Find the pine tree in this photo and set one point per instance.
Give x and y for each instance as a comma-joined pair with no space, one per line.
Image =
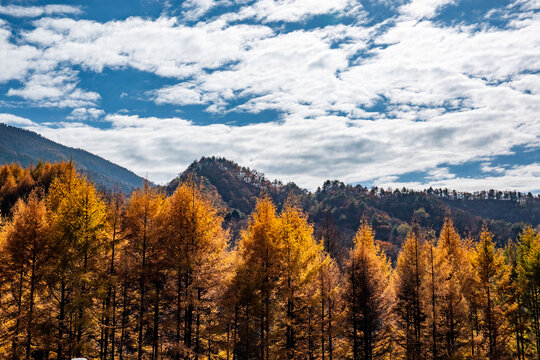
331,300
255,283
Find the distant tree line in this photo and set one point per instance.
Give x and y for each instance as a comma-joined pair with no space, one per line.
84,274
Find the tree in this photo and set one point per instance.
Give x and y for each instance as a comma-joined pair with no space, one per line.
24,253
368,297
300,267
451,279
491,274
114,218
255,283
141,231
196,245
409,285
331,305
528,272
77,227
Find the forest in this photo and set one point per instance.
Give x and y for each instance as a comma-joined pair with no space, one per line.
158,275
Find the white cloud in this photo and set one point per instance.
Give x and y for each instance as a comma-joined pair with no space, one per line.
14,120
487,167
55,89
294,10
36,11
423,9
85,114
295,149
452,94
15,60
194,9
160,46
523,178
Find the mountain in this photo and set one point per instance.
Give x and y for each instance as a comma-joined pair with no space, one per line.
336,208
27,147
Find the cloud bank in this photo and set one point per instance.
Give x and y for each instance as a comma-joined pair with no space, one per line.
354,98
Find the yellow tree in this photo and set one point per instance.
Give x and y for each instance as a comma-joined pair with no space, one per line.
78,216
196,245
529,283
300,266
255,282
368,297
115,210
24,255
141,230
451,280
409,285
330,289
491,275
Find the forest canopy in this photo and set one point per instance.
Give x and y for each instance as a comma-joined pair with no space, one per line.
156,276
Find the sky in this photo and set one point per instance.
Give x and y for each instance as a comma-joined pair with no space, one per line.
392,93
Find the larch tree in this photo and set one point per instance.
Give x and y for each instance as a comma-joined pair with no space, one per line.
78,215
451,279
529,283
491,274
24,254
331,305
141,230
299,269
368,297
409,284
109,318
255,283
196,245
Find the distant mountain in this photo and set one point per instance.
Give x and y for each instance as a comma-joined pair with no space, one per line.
27,147
337,208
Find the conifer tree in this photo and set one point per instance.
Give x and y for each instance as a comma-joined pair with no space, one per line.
409,285
529,284
141,231
196,246
24,254
330,292
451,277
368,297
300,266
77,227
255,283
491,274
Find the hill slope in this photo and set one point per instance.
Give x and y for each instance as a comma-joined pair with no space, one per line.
337,208
26,147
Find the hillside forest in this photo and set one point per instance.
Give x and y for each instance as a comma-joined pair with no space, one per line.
158,274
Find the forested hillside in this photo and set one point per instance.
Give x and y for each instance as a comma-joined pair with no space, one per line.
337,208
157,276
26,148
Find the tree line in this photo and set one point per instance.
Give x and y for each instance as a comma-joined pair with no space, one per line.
84,274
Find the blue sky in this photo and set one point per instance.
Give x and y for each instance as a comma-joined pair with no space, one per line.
418,93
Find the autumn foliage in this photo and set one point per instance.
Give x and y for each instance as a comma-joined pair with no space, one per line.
150,276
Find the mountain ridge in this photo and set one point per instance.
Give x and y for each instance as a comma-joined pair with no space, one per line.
341,206
27,147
